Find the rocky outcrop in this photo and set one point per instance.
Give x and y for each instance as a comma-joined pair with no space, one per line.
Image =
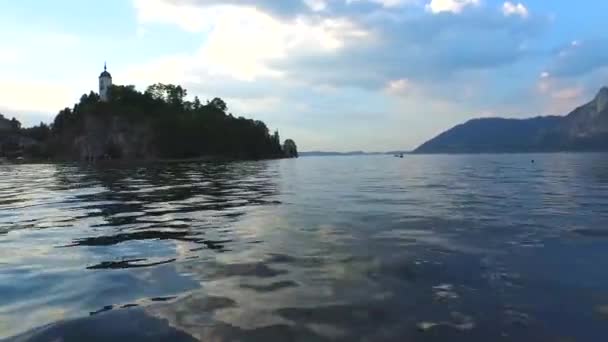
588,120
111,137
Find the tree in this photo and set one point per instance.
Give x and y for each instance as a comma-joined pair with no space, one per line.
15,124
40,133
276,138
197,103
176,94
219,104
168,93
62,120
290,149
157,91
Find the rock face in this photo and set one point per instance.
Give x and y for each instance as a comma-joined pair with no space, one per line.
111,138
601,100
584,129
588,120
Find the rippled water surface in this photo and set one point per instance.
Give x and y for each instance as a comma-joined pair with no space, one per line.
425,248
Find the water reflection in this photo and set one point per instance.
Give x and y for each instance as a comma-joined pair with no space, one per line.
428,248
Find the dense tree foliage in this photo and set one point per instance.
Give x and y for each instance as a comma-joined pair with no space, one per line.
290,149
179,128
16,141
40,133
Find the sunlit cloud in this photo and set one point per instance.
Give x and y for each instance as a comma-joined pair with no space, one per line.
241,41
453,6
49,97
510,9
398,87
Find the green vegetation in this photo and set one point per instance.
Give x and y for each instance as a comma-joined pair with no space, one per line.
158,123
17,142
290,149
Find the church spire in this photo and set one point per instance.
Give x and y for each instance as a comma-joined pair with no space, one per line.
105,83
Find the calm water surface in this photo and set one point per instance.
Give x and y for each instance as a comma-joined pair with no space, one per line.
425,248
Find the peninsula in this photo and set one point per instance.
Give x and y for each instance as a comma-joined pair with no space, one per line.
121,123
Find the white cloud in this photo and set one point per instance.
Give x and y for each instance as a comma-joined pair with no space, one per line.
168,69
399,87
27,44
38,96
390,3
188,17
454,6
316,5
241,41
253,105
387,3
509,9
248,52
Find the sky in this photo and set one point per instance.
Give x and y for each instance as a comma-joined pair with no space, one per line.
338,75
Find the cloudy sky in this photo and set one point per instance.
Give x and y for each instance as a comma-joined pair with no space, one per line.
331,74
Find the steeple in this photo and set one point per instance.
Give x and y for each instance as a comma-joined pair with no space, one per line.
105,83
105,72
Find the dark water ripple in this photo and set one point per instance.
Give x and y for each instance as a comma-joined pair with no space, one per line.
425,248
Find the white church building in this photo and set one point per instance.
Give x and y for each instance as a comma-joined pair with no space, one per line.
105,83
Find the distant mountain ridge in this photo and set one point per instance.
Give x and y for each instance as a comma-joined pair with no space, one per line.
584,129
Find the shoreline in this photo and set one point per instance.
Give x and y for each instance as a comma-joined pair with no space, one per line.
135,161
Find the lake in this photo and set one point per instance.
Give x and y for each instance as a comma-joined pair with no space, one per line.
424,248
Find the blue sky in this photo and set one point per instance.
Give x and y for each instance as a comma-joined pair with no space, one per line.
331,74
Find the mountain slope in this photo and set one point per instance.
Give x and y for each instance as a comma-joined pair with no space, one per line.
584,129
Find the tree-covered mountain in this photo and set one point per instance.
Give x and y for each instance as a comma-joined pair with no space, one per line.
158,123
584,129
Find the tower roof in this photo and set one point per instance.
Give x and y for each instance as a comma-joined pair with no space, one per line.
105,72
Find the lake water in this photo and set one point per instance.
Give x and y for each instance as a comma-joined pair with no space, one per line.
424,248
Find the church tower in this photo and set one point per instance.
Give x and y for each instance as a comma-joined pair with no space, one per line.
105,83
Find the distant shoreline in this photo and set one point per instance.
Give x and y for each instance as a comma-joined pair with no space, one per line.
390,154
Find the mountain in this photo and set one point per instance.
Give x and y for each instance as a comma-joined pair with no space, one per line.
584,129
